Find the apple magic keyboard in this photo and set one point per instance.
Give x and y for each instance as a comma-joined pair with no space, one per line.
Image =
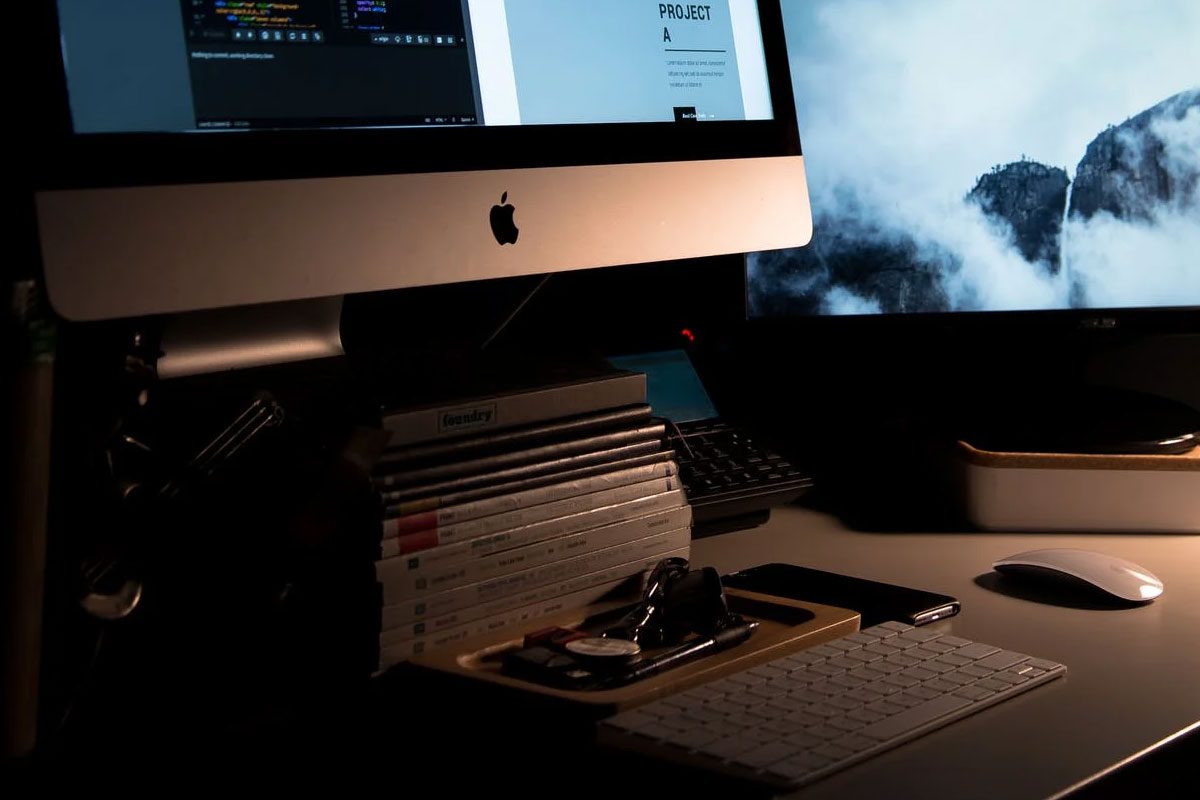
795,720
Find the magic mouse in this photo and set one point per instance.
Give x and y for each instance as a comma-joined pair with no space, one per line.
1115,576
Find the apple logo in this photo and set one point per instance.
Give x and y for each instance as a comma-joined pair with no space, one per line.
503,227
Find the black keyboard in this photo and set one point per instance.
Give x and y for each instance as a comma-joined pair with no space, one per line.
731,481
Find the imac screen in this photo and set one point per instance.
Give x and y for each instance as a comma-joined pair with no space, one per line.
992,155
221,65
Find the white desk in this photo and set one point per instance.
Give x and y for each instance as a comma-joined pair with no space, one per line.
1133,675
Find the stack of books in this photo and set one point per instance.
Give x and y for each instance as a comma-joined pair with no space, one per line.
507,508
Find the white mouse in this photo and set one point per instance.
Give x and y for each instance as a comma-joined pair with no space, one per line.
1116,576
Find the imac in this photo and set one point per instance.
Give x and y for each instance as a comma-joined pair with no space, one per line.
219,153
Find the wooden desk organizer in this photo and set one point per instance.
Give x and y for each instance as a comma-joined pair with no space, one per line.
781,631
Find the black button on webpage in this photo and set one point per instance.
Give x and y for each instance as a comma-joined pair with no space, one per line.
685,114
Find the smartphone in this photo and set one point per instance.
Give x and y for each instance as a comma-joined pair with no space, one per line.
875,602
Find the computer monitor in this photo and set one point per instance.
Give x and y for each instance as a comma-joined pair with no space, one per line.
1006,198
215,153
994,156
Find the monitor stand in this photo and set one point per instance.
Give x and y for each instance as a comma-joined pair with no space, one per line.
1085,419
220,340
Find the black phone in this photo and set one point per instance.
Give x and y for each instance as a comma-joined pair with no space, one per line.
876,602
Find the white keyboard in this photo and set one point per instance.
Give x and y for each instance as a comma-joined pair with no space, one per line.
799,718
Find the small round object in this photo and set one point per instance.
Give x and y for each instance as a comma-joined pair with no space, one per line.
598,648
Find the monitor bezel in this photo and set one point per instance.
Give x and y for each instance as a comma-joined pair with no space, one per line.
147,159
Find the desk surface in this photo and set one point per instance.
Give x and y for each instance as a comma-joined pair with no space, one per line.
1133,676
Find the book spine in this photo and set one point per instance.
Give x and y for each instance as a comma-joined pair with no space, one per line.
555,570
516,518
400,579
412,502
398,476
627,513
450,515
512,410
552,430
626,586
456,603
404,578
515,620
397,487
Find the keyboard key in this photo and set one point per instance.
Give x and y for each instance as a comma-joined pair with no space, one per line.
846,724
825,733
800,765
825,651
695,738
862,637
804,719
918,673
854,743
882,649
703,716
842,702
865,694
655,731
953,659
845,644
923,653
632,720
922,693
803,740
826,711
975,650
806,696
898,627
848,681
901,660
767,671
827,668
748,679
954,641
833,751
914,717
865,716
901,680
885,708
783,727
1010,678
844,663
939,685
959,677
976,670
920,635
938,646
724,707
791,769
787,704
766,712
1041,663
767,692
992,684
864,656
1002,660
973,693
729,747
936,666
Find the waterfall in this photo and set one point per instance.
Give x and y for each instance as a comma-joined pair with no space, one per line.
1062,238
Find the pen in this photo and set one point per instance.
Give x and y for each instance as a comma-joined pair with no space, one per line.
728,637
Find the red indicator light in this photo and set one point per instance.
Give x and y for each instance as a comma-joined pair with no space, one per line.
687,334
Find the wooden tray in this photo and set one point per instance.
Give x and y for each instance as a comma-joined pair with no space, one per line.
785,626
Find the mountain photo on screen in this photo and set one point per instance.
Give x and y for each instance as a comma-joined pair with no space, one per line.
992,155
